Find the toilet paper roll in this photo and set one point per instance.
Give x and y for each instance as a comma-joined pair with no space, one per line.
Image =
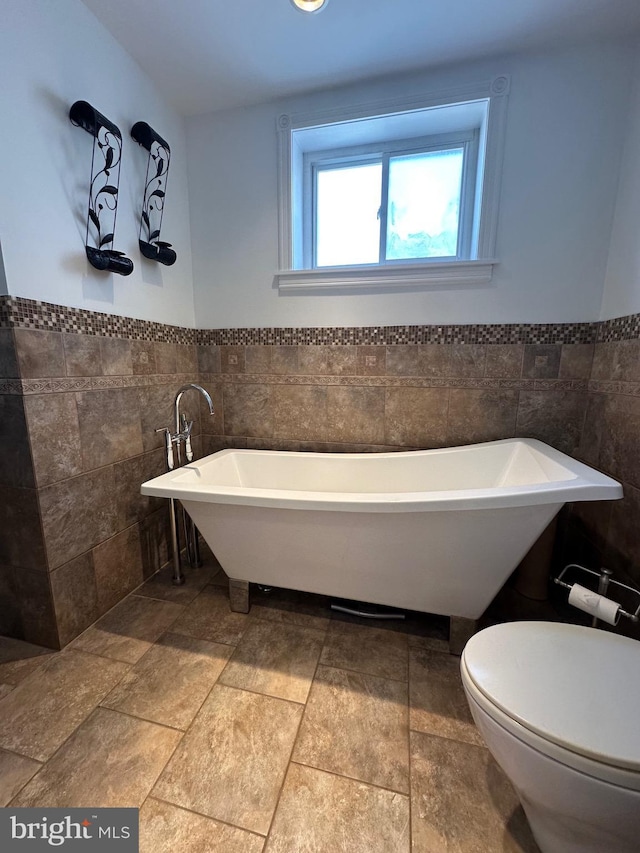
597,605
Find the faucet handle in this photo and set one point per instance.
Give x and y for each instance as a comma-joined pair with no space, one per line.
168,446
188,450
187,426
186,435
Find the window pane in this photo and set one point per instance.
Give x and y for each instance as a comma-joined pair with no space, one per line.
347,224
424,204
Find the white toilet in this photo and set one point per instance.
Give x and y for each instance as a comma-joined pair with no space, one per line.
559,708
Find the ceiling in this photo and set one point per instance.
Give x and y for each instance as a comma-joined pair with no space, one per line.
208,55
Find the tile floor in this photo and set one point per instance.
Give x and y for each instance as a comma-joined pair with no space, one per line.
288,730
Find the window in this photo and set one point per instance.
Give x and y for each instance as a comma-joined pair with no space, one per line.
390,194
396,202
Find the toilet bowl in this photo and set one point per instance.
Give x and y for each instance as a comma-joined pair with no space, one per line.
559,708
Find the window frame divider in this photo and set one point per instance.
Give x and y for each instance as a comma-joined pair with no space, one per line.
384,209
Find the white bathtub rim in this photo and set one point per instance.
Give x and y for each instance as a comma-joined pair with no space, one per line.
384,502
585,484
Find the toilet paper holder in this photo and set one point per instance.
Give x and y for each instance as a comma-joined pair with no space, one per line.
604,582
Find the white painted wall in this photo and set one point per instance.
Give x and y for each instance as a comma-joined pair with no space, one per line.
622,284
564,141
52,53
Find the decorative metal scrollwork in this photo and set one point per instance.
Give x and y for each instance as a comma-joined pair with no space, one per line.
103,189
155,187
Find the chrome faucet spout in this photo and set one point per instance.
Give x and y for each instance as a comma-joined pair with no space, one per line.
191,386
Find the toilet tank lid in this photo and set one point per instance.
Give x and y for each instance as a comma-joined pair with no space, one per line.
575,686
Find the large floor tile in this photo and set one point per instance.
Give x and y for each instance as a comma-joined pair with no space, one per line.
127,632
169,684
370,650
429,644
167,829
232,761
357,725
461,801
322,813
275,659
44,709
438,703
15,772
111,760
161,584
18,659
209,617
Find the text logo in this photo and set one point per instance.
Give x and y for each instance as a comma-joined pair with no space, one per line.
72,830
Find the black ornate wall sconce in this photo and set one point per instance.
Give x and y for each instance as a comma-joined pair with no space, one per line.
155,187
103,190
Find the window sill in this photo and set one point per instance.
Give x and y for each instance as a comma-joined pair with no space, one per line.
430,274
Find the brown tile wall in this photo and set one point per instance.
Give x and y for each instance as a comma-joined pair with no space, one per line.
372,397
83,439
79,406
608,534
26,604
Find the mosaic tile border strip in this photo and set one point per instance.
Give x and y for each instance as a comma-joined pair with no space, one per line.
517,333
102,383
17,312
619,329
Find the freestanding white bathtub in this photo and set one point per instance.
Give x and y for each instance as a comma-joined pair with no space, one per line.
433,530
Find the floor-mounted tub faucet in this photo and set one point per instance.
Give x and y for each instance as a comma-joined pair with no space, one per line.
182,435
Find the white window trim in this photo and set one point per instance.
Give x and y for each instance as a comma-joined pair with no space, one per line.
428,273
372,276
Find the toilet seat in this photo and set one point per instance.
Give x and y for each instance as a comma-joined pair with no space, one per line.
568,691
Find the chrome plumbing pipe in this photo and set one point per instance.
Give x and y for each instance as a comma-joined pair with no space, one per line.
178,574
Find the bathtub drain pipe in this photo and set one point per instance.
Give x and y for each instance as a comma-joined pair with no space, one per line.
366,614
